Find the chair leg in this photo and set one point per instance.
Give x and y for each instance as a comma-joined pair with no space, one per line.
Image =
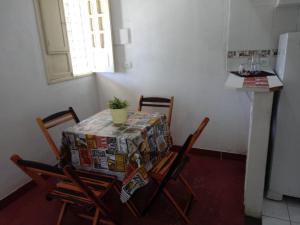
177,207
187,186
134,210
99,220
96,216
130,205
102,221
62,213
191,192
152,199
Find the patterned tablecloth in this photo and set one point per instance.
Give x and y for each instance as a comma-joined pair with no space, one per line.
127,151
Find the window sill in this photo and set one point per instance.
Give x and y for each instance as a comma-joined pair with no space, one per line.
50,82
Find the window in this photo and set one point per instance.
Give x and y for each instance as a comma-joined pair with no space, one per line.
76,37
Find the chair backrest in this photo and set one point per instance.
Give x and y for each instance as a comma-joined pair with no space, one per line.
158,102
197,133
55,120
37,171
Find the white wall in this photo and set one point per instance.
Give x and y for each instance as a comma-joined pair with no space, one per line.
257,24
24,93
179,48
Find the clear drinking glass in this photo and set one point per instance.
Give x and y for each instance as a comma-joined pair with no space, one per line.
242,68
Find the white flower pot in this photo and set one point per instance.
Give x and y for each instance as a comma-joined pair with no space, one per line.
119,116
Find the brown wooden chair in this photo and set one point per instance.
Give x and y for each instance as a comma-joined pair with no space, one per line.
157,102
169,168
55,120
72,188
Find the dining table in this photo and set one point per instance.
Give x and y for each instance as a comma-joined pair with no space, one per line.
127,151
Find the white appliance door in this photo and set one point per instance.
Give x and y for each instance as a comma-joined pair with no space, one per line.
285,167
287,3
281,57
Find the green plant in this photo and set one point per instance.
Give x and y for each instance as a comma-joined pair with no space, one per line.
116,103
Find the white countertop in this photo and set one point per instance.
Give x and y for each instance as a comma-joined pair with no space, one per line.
236,82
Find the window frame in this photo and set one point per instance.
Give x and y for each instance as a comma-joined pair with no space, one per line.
51,78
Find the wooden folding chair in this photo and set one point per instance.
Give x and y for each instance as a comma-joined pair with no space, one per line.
73,188
169,168
157,102
55,120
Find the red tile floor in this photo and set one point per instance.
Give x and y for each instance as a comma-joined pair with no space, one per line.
218,183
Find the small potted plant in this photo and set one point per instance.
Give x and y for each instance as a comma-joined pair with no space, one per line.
118,110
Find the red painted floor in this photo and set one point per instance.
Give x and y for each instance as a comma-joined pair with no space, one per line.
219,186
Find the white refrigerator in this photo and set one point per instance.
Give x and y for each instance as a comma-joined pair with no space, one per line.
284,167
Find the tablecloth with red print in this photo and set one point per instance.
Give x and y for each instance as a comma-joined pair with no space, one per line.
128,151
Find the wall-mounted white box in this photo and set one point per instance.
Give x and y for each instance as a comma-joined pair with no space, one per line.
122,36
281,3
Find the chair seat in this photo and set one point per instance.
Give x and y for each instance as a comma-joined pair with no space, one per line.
67,191
98,178
161,168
